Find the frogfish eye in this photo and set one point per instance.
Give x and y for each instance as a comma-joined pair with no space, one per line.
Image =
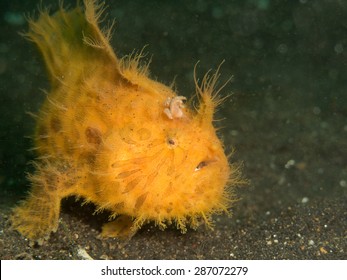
201,165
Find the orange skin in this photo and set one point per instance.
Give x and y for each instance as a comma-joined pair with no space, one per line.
110,134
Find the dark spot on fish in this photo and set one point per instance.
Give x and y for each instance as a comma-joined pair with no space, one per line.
125,174
56,124
132,184
171,141
140,200
93,136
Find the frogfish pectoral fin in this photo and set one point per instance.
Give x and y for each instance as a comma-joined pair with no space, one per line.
122,228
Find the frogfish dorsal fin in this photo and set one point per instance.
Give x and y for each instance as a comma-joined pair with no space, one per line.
73,44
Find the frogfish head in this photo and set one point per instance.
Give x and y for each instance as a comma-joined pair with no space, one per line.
200,172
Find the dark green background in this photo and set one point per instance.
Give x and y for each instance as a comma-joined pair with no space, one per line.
288,61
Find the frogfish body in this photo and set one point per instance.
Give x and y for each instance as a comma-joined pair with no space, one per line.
113,136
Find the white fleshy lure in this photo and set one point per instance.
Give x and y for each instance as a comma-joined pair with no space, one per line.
174,107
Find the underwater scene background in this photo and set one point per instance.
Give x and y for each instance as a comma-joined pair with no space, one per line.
286,118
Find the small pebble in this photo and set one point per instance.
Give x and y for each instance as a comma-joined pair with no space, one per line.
82,253
289,163
323,251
